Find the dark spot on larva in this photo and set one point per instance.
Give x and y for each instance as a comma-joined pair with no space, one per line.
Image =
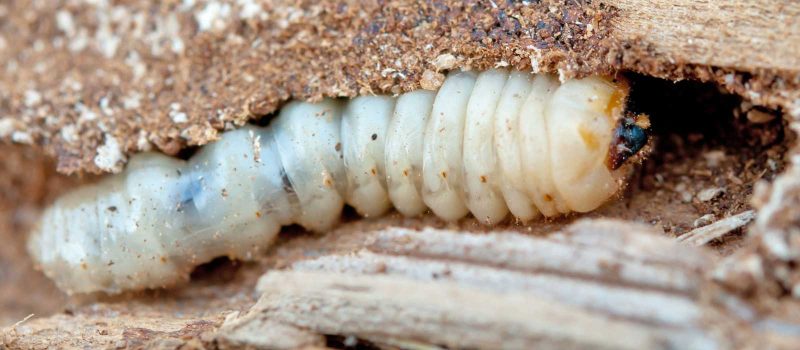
444,174
110,263
258,214
163,259
192,189
84,266
548,197
483,178
112,208
224,192
373,171
374,137
338,147
287,185
405,172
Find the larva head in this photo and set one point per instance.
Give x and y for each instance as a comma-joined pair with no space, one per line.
590,140
629,138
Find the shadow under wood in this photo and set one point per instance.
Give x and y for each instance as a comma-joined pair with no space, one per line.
709,149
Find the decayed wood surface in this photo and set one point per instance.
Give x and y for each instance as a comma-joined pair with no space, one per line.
599,284
94,82
747,46
743,34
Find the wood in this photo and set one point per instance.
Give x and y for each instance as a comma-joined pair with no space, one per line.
595,289
739,34
137,74
378,307
703,235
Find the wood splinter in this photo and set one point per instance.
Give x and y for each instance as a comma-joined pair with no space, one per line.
598,284
702,235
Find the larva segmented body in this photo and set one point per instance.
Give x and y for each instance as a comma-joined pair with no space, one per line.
491,144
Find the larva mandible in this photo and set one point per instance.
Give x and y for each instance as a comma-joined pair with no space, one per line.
493,143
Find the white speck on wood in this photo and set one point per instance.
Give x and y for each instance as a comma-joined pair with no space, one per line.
65,23
32,98
176,115
109,156
212,16
444,62
70,133
704,220
6,127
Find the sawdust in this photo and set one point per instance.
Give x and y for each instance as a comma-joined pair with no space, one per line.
94,82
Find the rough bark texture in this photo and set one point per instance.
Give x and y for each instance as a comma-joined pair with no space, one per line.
93,82
599,284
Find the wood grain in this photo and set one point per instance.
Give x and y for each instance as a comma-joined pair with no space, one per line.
739,34
590,286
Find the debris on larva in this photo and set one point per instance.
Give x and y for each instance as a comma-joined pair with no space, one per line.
489,143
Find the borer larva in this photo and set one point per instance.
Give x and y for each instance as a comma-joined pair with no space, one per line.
494,144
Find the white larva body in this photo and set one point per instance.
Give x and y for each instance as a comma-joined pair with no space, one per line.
404,162
442,148
492,143
481,175
507,145
364,126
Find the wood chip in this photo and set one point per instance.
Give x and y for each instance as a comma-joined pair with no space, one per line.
759,117
375,307
709,194
598,284
703,235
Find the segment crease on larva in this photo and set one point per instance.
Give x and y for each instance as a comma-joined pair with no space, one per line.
496,144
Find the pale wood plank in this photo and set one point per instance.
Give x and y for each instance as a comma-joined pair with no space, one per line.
740,34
